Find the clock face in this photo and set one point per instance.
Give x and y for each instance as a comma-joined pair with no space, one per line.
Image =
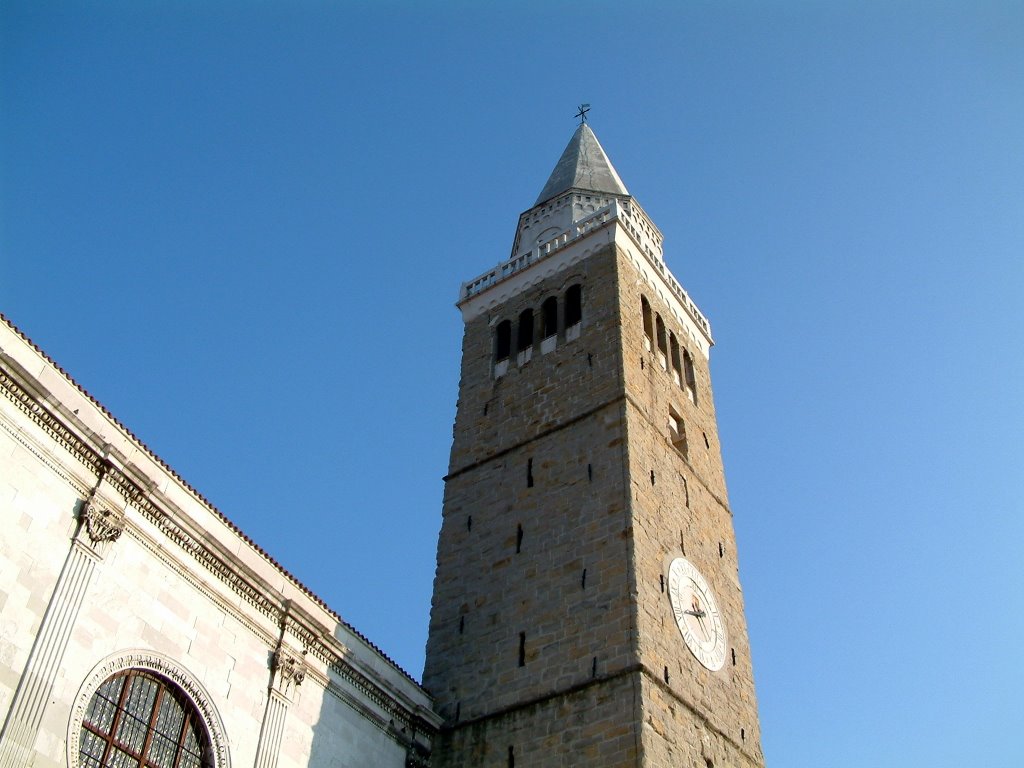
696,614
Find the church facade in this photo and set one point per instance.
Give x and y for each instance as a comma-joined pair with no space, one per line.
586,607
141,628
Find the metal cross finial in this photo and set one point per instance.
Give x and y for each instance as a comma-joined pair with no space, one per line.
582,114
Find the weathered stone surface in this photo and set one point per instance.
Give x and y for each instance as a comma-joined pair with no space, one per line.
565,465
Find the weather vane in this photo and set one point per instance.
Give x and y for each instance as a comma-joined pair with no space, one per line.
582,114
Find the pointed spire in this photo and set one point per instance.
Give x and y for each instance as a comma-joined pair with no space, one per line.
583,165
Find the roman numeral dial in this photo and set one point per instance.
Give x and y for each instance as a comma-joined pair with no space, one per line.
696,613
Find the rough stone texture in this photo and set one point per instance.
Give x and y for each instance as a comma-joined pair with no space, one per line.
594,421
571,519
684,512
592,725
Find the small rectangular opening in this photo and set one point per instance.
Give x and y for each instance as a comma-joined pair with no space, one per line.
677,431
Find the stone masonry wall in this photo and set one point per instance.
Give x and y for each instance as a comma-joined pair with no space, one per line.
564,591
574,626
613,493
592,726
579,375
680,508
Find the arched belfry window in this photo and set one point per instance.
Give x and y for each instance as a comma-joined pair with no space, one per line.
689,376
645,308
673,346
139,718
549,317
659,325
503,341
573,306
524,337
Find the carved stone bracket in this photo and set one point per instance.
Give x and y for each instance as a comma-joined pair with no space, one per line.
289,671
417,756
100,523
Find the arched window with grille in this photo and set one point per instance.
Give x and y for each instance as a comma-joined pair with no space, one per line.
140,718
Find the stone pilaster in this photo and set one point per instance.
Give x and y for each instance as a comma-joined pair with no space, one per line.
98,527
287,671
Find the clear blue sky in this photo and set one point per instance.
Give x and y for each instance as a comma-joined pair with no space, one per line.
242,227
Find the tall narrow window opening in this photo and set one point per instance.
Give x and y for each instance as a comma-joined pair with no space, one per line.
689,377
573,307
677,373
659,325
549,317
502,347
524,337
645,309
548,325
522,649
503,340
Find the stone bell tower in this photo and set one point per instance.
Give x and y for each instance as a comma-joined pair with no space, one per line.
587,608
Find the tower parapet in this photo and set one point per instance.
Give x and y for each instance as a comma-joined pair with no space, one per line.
551,232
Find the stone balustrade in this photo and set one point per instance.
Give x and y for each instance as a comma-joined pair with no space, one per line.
633,221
